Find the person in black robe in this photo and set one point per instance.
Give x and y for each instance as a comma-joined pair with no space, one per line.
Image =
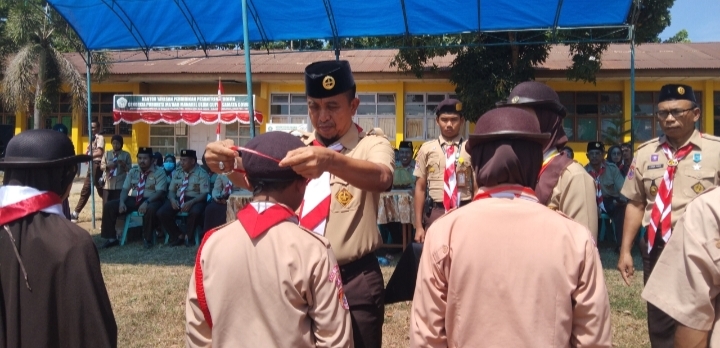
52,292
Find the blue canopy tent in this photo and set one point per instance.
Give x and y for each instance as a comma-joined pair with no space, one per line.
147,24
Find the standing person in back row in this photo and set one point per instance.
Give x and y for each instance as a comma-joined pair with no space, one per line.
666,174
115,164
563,184
442,166
95,149
350,167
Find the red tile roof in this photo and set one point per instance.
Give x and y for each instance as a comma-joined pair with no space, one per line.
682,56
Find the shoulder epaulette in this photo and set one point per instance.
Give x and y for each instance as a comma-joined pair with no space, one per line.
319,238
651,141
710,137
376,131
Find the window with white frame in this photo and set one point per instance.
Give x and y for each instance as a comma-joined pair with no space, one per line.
240,133
420,115
289,108
168,138
377,110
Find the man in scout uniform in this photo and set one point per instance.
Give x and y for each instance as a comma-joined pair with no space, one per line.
350,167
115,164
262,280
96,149
187,193
147,183
442,166
666,173
403,175
506,271
684,283
52,292
608,183
563,184
216,210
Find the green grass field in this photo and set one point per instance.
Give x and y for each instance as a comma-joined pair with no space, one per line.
147,290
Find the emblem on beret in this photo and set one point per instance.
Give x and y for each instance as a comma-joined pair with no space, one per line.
697,188
344,197
328,82
597,145
183,153
681,90
458,107
515,100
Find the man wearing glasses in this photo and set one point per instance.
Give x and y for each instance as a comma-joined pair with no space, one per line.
665,175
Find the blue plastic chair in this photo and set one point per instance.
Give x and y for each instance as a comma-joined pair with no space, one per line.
604,217
182,216
129,224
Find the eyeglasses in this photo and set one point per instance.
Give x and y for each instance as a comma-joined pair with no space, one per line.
675,112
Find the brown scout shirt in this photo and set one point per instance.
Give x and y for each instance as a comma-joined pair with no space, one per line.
274,291
480,286
99,143
352,226
691,177
155,181
116,181
430,164
574,196
611,181
198,183
690,263
219,186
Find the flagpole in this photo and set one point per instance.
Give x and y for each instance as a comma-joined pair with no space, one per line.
217,128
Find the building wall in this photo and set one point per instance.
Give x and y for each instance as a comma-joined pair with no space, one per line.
264,90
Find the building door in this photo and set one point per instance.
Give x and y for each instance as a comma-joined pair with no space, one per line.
200,135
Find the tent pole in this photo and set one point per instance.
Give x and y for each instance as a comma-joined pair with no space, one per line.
248,70
632,87
89,123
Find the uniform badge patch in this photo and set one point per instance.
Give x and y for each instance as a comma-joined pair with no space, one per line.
336,279
653,188
697,188
654,158
344,197
654,166
631,170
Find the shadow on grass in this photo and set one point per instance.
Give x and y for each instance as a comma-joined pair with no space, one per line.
133,253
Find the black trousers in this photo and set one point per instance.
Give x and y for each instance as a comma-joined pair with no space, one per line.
85,191
364,289
111,213
167,216
661,326
215,215
111,195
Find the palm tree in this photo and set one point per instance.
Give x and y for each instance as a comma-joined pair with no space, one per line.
34,76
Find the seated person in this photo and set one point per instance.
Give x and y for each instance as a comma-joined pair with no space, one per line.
148,182
169,165
216,210
187,193
403,176
608,183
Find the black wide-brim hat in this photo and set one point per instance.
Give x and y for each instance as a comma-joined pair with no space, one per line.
533,93
40,148
507,123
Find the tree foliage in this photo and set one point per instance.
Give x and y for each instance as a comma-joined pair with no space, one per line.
37,70
679,37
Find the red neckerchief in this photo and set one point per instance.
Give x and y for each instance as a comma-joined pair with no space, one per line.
506,191
28,206
256,223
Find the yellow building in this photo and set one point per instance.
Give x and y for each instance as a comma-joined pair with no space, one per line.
400,104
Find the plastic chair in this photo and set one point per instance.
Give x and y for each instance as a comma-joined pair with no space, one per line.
182,216
603,218
129,224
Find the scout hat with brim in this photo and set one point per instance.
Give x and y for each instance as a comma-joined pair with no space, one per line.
262,155
507,123
40,148
532,93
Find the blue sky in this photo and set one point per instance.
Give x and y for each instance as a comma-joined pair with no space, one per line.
698,17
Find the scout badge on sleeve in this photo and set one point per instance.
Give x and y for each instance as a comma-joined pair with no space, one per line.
337,280
697,188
